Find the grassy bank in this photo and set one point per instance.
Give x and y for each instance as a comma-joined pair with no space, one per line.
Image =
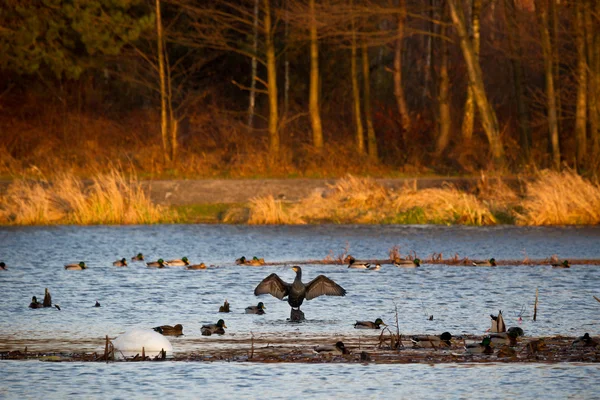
552,198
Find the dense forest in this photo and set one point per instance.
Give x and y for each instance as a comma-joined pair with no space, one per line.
248,88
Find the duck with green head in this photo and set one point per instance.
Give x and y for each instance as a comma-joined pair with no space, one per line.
432,341
218,328
138,257
257,309
509,337
35,303
585,341
160,263
76,267
489,263
337,349
120,263
256,262
180,262
353,264
407,263
241,260
168,330
3,266
369,325
480,348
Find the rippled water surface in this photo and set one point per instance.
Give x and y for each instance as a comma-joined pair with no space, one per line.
460,298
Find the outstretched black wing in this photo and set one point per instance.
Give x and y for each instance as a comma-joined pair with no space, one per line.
274,286
322,285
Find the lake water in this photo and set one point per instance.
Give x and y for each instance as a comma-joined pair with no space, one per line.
460,298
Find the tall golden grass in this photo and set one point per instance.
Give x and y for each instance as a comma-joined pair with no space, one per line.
560,198
268,211
110,199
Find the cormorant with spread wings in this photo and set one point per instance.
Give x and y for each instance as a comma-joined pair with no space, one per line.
297,291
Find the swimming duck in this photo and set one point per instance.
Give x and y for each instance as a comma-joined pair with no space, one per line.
97,304
255,262
139,257
3,266
489,263
480,348
369,325
76,267
241,260
35,303
338,349
160,263
497,323
515,330
168,330
196,266
407,263
375,267
120,263
564,264
509,338
356,265
433,341
182,262
297,291
585,341
257,309
224,307
218,328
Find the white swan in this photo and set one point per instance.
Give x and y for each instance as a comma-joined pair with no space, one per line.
131,342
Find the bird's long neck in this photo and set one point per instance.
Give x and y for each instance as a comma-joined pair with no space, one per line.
298,276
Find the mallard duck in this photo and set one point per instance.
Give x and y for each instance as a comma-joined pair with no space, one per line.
297,291
498,325
241,260
407,263
257,309
97,304
3,266
375,267
76,267
35,303
224,307
338,349
369,325
255,262
196,266
120,263
516,331
139,257
168,330
489,263
509,338
160,263
585,341
218,328
480,348
356,265
182,262
433,341
564,264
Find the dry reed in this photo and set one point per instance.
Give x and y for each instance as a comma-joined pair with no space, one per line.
110,199
560,198
268,211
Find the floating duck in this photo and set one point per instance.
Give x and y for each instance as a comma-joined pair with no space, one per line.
375,267
35,303
97,304
241,260
297,291
585,341
196,266
489,263
120,263
407,263
369,325
160,263
515,330
257,309
139,257
338,349
168,330
3,266
256,262
134,340
564,264
355,265
76,267
508,338
180,262
224,307
480,348
218,328
497,323
427,341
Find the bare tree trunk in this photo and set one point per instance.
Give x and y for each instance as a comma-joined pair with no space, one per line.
360,137
313,101
590,34
541,8
172,122
518,78
164,129
253,67
371,139
469,111
398,89
445,122
286,64
596,77
581,110
487,113
271,83
553,26
429,54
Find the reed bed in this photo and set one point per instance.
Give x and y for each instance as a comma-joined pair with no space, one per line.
560,198
111,198
268,211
